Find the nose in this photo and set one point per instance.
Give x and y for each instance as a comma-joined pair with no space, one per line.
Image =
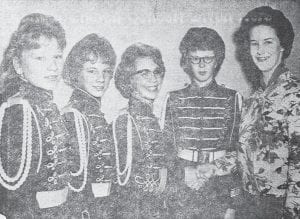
152,77
260,49
201,63
100,77
53,66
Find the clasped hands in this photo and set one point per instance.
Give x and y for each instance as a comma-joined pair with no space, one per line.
196,177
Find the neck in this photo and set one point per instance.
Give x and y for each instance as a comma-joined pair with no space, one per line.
268,74
202,83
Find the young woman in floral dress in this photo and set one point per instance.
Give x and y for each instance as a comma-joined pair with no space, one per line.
269,132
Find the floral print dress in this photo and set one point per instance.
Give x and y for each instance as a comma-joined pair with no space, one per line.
268,153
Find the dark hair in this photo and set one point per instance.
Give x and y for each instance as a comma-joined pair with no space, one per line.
267,16
201,39
26,37
90,48
126,67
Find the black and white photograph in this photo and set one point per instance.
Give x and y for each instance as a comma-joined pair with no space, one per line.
150,109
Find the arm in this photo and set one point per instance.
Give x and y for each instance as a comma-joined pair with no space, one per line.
293,122
227,164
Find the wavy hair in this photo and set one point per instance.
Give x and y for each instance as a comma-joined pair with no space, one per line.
267,16
90,48
126,67
201,39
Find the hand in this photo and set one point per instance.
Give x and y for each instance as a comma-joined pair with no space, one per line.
205,170
191,179
230,214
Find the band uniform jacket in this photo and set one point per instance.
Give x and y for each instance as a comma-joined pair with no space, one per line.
144,195
204,124
48,171
97,197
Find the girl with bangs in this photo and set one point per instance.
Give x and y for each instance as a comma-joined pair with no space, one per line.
33,151
89,69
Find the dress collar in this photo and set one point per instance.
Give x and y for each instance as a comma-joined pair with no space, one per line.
275,76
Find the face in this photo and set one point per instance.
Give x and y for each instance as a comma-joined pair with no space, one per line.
265,48
203,64
148,78
95,77
41,67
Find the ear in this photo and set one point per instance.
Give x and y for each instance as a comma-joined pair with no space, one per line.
17,66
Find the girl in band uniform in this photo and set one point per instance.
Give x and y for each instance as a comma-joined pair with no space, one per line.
33,167
89,69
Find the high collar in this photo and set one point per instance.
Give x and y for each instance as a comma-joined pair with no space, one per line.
140,106
81,95
274,78
35,94
211,86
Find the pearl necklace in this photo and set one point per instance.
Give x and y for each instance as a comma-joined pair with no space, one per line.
128,166
26,156
83,147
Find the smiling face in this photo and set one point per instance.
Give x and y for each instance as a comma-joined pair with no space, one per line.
148,78
95,77
265,48
41,67
203,64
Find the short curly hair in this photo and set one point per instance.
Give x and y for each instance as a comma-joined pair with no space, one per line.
30,29
201,38
126,67
90,48
267,16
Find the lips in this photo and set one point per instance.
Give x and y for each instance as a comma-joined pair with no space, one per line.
262,59
202,72
153,88
99,88
52,77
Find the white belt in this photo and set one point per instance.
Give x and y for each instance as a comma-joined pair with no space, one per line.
48,199
101,189
205,155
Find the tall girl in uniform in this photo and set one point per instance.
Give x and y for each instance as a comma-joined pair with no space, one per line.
89,69
33,167
142,157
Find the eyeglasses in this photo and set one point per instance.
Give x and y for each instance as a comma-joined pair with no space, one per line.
205,59
147,74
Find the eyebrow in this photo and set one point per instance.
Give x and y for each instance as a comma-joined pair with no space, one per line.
144,69
270,38
91,68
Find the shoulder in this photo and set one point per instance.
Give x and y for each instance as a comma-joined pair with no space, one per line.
173,95
120,120
222,89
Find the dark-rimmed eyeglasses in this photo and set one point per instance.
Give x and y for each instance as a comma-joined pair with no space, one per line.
205,59
147,74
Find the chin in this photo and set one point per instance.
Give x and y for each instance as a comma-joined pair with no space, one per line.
97,95
263,67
